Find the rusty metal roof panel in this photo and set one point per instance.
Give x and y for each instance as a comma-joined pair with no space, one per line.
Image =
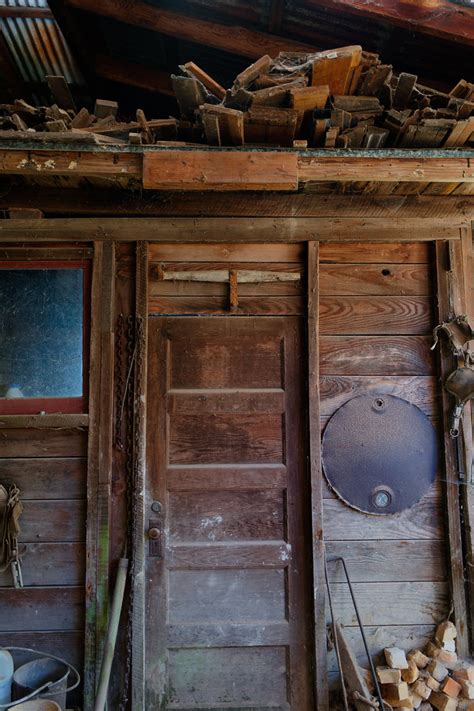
37,44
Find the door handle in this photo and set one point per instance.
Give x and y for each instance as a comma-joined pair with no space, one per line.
155,547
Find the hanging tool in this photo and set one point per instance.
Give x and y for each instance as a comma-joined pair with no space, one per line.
460,383
342,649
11,509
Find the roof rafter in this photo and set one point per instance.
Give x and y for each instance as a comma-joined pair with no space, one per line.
233,39
447,21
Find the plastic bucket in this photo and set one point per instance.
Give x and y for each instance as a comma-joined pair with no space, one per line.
6,676
38,705
35,674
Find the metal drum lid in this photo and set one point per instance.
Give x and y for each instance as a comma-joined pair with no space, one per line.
380,453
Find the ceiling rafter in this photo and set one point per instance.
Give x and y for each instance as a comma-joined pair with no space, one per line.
234,39
448,21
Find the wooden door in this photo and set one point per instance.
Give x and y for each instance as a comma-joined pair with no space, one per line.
229,617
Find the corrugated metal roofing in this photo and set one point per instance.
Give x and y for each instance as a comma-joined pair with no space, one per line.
37,45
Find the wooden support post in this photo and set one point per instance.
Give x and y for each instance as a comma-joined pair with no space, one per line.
460,257
319,593
99,463
139,463
447,304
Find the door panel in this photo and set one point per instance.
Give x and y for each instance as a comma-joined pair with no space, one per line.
229,599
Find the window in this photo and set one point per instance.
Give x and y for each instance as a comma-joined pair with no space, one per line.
43,339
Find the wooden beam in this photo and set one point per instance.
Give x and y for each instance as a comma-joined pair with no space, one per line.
442,170
452,494
230,38
71,162
226,170
216,229
316,477
44,421
133,74
99,469
234,204
26,12
447,21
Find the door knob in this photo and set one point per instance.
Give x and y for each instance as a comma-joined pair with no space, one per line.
154,534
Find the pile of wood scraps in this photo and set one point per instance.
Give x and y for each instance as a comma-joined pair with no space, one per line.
340,98
432,679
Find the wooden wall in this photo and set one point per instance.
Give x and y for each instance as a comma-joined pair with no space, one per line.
49,467
376,311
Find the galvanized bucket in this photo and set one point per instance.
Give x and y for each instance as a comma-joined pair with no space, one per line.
40,676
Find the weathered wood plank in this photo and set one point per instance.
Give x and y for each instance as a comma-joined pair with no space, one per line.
406,637
369,315
42,443
420,390
50,564
388,561
188,289
234,204
422,522
72,163
316,478
381,253
444,170
226,478
415,603
53,521
449,304
188,402
238,229
383,280
38,609
215,556
209,305
44,421
227,253
376,355
225,170
68,644
228,635
56,478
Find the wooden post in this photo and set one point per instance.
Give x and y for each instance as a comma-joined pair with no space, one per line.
99,463
315,466
139,465
448,304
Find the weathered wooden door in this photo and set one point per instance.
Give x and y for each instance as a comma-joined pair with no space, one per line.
229,571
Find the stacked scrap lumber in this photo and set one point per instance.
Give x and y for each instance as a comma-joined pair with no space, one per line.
340,98
430,679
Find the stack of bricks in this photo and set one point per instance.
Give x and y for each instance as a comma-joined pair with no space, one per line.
430,679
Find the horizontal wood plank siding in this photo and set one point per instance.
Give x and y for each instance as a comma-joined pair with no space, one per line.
49,467
376,312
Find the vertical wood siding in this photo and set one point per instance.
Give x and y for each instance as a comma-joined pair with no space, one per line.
376,317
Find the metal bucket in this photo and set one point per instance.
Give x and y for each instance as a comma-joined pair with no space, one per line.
33,675
38,705
40,677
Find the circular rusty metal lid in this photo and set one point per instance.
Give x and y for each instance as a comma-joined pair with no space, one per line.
380,453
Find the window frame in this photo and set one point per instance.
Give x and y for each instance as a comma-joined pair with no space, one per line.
56,405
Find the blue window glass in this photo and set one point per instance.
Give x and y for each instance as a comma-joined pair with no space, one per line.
41,333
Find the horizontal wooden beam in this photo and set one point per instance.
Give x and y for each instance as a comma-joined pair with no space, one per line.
230,38
72,162
226,170
44,421
26,12
444,20
233,204
215,229
438,170
133,74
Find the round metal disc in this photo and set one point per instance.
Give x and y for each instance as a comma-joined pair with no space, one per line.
380,453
